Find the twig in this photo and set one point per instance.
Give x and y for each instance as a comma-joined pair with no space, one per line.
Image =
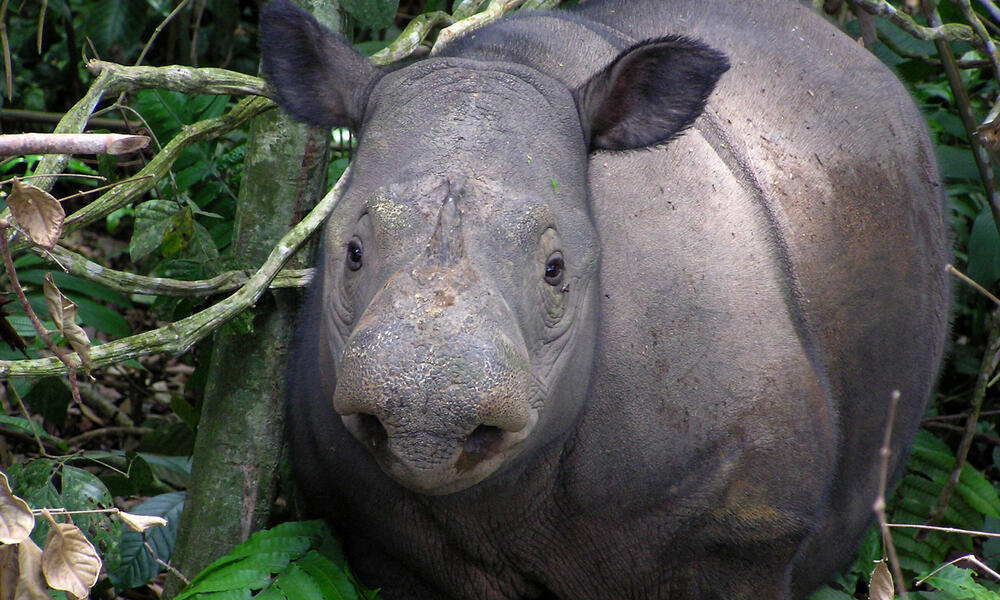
173,571
495,10
105,431
129,283
951,269
14,114
986,437
43,334
991,358
972,559
70,143
964,106
879,506
179,336
27,417
945,529
159,28
950,32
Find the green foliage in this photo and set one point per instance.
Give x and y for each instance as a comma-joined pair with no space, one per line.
299,559
373,14
138,566
46,483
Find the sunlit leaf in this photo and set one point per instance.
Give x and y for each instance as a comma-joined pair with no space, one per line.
140,522
16,520
69,561
37,212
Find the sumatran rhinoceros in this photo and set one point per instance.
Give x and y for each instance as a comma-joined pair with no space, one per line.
614,301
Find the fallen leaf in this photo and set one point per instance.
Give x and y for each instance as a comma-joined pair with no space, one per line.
69,561
37,212
16,520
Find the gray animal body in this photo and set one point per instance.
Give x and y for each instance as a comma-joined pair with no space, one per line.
614,302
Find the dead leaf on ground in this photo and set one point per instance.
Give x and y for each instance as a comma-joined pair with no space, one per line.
16,520
69,561
63,312
38,213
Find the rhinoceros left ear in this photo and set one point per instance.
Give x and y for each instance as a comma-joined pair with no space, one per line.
650,93
317,76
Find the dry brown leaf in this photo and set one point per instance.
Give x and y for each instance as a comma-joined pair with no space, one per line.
16,520
63,312
30,585
880,585
69,561
140,523
8,571
37,212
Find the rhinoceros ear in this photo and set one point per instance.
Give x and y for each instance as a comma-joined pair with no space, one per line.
318,77
650,93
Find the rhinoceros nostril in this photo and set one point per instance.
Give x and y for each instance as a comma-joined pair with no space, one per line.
479,444
373,431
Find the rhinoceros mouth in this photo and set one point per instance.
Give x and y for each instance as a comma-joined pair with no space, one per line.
432,465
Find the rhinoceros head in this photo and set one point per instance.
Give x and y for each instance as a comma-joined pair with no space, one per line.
460,272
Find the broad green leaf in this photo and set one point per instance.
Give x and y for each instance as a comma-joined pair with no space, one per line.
332,581
984,251
374,14
82,490
112,23
29,426
296,583
151,221
137,565
50,398
957,163
959,584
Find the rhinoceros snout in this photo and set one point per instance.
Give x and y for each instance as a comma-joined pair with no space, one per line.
437,417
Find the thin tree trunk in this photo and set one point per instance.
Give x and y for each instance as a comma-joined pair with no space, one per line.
239,442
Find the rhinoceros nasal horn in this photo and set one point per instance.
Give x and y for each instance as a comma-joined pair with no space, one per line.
447,246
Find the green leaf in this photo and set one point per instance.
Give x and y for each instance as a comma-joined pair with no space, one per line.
29,426
151,221
296,583
828,593
50,398
332,581
984,251
178,232
957,163
137,565
112,23
959,584
374,14
82,490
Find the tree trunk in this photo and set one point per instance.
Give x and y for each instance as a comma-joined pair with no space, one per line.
239,442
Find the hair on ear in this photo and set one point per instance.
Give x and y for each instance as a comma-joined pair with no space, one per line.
649,93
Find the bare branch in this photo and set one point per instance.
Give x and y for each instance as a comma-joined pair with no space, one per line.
189,80
179,336
879,507
129,283
70,143
949,32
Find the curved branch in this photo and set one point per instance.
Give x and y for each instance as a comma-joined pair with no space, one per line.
130,283
179,336
189,80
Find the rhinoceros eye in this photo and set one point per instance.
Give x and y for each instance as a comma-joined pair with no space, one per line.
355,252
554,268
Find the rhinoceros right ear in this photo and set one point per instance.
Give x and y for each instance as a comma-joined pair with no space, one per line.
317,76
650,93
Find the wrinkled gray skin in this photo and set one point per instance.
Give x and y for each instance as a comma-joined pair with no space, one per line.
691,407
